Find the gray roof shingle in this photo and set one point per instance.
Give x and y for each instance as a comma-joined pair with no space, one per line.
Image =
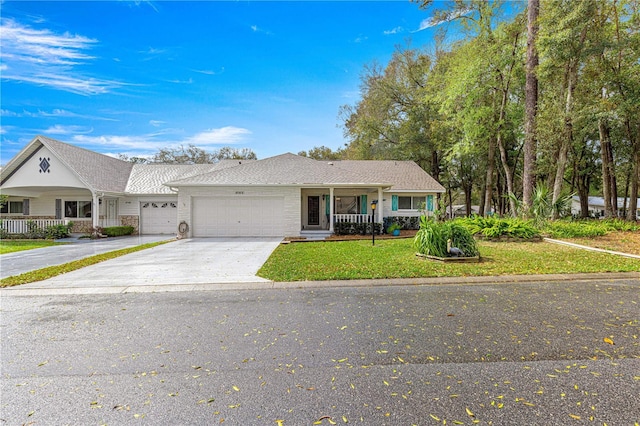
285,169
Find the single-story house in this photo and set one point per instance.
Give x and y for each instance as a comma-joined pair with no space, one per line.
596,206
51,182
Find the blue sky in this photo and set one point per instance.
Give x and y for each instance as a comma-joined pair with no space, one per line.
133,77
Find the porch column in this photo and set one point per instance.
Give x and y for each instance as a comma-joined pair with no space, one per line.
95,210
380,206
331,210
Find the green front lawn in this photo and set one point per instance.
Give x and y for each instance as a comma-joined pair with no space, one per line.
396,259
10,246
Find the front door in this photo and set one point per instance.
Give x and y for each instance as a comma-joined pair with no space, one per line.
111,212
313,210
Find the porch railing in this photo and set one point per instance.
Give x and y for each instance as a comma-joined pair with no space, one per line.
21,226
353,218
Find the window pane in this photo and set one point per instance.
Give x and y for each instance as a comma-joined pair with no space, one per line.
84,208
346,205
15,206
418,203
4,208
404,203
70,209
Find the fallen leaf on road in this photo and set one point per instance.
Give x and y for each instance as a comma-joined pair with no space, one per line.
609,341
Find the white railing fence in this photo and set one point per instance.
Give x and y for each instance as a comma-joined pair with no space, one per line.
353,218
21,226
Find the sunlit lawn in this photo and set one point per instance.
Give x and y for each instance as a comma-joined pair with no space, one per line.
10,246
397,259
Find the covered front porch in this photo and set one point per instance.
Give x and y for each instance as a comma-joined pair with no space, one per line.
29,207
323,208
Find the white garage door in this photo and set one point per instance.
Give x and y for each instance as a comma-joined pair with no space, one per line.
158,218
238,216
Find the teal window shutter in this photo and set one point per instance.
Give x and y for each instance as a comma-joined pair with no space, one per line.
394,203
327,205
429,203
363,204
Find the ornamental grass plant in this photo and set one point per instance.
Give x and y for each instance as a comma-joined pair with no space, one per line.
432,237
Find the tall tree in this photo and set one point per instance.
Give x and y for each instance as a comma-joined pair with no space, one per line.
531,105
564,37
191,154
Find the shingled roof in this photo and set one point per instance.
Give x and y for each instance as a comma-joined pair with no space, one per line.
285,169
405,175
102,173
99,172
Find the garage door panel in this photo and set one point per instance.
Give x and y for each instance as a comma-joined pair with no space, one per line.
158,217
238,216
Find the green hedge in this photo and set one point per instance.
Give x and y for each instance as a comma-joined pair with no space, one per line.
117,231
353,228
587,227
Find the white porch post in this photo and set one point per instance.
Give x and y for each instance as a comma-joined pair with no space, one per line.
95,211
380,206
331,210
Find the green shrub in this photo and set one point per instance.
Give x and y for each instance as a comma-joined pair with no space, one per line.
431,239
494,227
354,228
117,231
587,227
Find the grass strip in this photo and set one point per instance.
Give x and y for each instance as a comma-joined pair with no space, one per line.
396,259
12,246
52,271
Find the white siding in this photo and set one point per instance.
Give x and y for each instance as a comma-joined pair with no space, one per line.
56,175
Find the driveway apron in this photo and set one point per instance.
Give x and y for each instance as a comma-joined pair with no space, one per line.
190,261
29,260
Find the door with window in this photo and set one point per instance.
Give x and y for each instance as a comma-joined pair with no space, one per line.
313,210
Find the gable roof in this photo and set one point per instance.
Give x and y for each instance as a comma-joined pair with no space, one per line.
101,173
285,169
405,175
98,172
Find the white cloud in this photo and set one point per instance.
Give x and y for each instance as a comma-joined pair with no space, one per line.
140,143
150,143
156,123
257,29
360,39
225,135
395,30
59,129
44,58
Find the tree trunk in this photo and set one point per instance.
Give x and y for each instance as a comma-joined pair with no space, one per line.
508,176
488,186
635,173
531,106
605,147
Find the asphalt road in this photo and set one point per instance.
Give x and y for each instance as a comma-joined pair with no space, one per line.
556,353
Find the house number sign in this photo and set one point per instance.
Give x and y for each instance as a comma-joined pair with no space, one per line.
45,165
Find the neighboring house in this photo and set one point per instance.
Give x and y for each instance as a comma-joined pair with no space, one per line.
285,196
596,206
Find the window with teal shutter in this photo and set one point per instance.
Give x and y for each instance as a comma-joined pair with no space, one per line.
394,203
429,203
363,204
327,206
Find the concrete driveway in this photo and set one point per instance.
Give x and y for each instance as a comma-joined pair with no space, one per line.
189,263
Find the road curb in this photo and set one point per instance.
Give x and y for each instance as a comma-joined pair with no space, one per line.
297,285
